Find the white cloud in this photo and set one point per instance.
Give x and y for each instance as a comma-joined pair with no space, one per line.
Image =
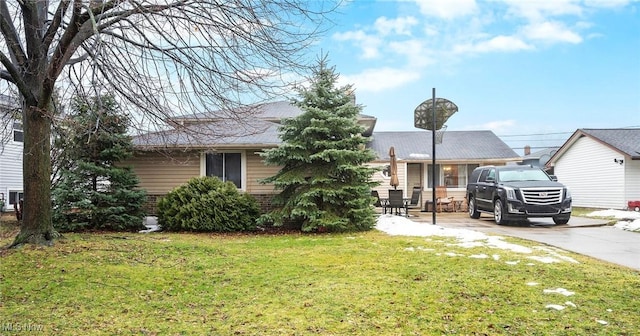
447,9
368,43
497,44
551,32
539,10
497,126
398,26
418,55
607,3
377,80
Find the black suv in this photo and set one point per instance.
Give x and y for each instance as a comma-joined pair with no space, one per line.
517,193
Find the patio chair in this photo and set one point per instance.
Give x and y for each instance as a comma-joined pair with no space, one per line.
414,202
443,202
377,202
396,201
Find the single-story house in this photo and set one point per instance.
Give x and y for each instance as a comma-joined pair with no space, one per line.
538,158
601,167
11,147
203,145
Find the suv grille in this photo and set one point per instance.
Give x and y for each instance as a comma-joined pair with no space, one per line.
541,196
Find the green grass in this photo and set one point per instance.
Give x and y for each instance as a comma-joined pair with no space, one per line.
291,284
582,212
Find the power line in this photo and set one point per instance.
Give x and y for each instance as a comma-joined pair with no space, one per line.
556,133
536,140
521,135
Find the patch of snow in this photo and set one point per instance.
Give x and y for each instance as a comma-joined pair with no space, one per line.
554,253
479,256
554,306
629,220
559,291
545,260
629,226
532,283
603,322
618,214
569,303
151,223
402,226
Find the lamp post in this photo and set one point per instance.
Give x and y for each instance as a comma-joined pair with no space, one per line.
440,110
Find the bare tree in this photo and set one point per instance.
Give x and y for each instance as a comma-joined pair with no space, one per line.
159,58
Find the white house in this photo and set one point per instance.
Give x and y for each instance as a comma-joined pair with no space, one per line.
601,167
11,146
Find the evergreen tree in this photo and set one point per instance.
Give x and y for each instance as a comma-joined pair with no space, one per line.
93,192
323,183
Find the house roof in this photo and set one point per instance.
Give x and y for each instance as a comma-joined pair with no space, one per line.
210,130
272,111
540,153
221,133
625,141
456,145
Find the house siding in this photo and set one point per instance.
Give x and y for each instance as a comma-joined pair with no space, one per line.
256,171
10,167
159,174
632,180
590,173
384,186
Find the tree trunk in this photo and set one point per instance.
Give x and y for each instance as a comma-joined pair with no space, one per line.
37,227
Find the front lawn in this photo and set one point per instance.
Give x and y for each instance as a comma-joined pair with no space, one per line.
290,284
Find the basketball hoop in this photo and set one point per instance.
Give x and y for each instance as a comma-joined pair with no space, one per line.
439,109
440,134
431,115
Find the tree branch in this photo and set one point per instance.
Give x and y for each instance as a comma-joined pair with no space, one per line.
11,35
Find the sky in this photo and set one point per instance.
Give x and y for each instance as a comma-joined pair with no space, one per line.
532,71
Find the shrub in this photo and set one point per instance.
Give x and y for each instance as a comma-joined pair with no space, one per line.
206,204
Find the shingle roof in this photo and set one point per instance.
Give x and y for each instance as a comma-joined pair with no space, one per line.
219,134
540,153
625,140
267,111
219,128
456,145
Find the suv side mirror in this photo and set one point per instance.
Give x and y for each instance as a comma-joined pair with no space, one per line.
553,178
490,179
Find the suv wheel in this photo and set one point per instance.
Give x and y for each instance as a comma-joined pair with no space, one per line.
498,214
473,208
561,220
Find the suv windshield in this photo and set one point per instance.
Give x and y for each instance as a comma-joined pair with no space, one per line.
523,175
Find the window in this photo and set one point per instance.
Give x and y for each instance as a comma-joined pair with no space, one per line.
18,133
386,172
225,166
15,196
452,175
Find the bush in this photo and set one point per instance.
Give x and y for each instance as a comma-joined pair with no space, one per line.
206,204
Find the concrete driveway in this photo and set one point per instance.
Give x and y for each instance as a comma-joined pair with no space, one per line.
587,236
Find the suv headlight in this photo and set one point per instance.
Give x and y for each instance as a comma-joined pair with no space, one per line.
511,193
567,193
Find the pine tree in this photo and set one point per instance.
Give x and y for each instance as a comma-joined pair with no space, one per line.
93,192
323,183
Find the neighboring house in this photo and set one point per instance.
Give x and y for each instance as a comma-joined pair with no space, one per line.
601,167
202,145
11,145
538,158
